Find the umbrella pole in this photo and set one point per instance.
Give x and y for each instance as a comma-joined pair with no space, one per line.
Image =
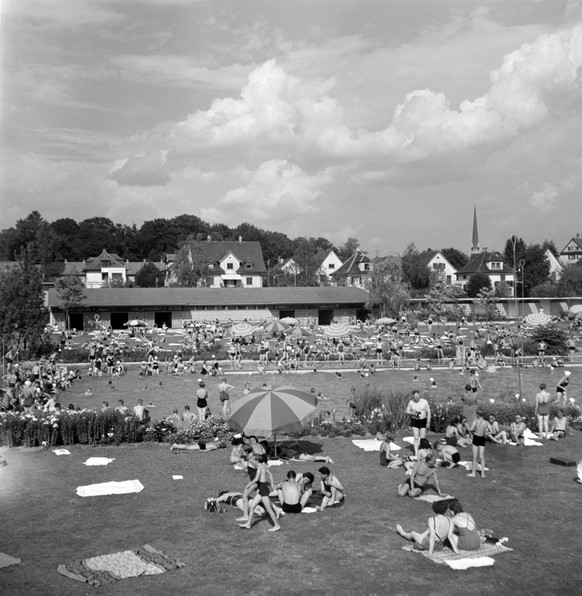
275,446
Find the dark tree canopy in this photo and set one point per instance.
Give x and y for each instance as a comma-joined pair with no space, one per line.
476,283
455,257
149,276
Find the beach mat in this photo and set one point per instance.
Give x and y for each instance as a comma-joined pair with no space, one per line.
107,569
110,488
465,559
7,560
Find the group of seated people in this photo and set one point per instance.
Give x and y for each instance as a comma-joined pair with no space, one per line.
263,497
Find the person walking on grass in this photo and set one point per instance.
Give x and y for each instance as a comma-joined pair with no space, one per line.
479,429
224,397
561,389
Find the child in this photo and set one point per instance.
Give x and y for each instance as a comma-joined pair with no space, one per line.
516,430
450,455
479,428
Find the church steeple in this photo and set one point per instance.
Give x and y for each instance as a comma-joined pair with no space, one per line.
475,248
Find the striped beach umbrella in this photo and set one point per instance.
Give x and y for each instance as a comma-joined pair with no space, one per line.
337,330
576,309
289,320
300,332
267,412
275,327
537,319
242,330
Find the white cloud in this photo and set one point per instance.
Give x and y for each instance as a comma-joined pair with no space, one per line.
544,200
276,191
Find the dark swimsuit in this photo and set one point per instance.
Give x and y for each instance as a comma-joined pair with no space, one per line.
296,508
233,500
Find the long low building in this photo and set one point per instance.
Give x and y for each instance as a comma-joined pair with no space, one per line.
176,307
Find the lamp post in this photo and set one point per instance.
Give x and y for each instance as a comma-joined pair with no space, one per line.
522,270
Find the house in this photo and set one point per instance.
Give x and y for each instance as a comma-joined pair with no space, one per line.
106,269
556,267
231,264
489,263
572,252
283,269
355,271
437,262
327,262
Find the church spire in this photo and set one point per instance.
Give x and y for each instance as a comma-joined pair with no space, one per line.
475,247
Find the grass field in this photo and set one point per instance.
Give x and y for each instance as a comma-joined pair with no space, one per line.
350,550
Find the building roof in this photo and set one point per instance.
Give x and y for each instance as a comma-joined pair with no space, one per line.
159,298
321,255
350,267
578,241
96,263
248,253
478,264
428,255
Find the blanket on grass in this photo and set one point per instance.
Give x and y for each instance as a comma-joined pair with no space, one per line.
465,559
108,569
433,498
373,445
7,560
110,488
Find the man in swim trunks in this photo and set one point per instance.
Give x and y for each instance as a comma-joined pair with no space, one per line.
293,495
420,474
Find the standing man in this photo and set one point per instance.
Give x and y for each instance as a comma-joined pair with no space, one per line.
419,411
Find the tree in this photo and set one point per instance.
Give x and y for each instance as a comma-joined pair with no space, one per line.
23,316
415,269
346,250
149,276
570,283
191,267
455,257
442,298
520,248
486,298
71,293
387,287
477,282
537,267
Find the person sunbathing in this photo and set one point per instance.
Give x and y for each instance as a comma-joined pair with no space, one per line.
234,498
440,529
417,483
294,452
516,430
495,434
559,426
387,458
200,446
465,534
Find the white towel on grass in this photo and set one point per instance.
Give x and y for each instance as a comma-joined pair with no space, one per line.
99,461
460,564
61,452
433,498
408,440
309,510
469,466
529,439
110,488
372,445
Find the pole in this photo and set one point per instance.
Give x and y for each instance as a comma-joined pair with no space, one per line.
514,242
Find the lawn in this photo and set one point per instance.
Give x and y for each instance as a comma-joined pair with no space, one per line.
350,550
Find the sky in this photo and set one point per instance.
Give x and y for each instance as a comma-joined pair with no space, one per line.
383,120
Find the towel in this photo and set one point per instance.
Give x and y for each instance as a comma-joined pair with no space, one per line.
408,440
309,510
373,445
7,560
61,452
99,461
110,488
107,569
529,439
446,556
469,466
433,498
177,477
462,564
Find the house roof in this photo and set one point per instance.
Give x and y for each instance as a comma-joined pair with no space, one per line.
428,255
248,253
351,265
578,241
96,263
478,264
321,255
160,298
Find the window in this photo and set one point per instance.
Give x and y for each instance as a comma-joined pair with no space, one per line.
331,266
249,265
230,265
249,281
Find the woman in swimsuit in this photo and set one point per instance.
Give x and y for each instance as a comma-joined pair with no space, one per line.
542,411
264,482
440,529
201,401
479,429
387,459
331,489
234,498
561,389
465,534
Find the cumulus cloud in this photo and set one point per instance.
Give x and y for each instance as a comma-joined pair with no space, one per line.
544,200
279,109
142,170
275,191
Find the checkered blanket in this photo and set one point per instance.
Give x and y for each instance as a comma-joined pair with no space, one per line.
107,569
